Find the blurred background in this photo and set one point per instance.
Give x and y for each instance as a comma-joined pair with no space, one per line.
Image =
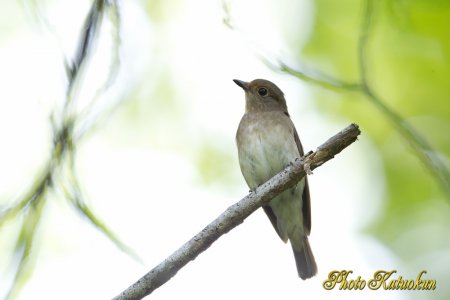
117,122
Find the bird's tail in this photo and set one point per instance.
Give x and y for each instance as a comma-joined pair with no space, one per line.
304,259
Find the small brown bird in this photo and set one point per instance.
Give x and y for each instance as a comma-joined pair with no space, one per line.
267,142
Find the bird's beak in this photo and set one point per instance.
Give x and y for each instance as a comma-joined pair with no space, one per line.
242,84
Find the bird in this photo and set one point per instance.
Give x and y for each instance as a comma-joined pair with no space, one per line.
267,142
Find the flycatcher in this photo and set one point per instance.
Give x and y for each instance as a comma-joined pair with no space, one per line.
267,142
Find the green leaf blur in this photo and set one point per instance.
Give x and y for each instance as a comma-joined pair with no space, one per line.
408,66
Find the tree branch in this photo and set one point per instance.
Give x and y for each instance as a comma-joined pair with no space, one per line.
235,214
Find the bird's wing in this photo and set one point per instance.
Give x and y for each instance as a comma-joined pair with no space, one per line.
306,207
273,219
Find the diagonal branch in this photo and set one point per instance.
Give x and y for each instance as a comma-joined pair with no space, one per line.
235,214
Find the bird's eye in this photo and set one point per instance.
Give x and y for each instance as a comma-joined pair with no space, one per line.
262,92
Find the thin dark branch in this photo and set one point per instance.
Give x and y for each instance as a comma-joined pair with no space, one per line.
237,213
89,32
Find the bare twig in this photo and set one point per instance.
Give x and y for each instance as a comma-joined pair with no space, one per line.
236,214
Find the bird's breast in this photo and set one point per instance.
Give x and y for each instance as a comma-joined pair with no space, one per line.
266,145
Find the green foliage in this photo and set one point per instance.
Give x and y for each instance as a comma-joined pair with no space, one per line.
402,104
384,64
